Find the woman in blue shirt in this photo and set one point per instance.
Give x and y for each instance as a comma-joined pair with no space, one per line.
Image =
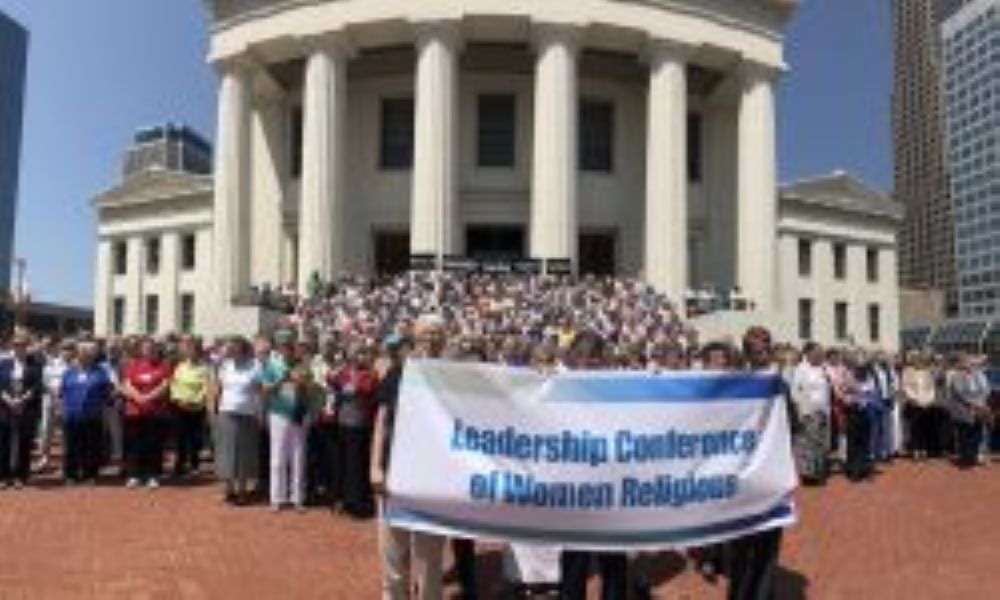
86,389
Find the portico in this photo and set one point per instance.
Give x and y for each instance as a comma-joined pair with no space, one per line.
687,197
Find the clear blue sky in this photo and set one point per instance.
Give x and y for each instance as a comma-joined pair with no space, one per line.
99,69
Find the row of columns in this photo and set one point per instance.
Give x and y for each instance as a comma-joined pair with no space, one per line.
554,210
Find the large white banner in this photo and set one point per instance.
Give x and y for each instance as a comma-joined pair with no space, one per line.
590,460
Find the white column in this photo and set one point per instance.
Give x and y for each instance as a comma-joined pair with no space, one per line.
666,171
322,224
434,209
270,170
102,290
231,218
170,288
757,188
554,172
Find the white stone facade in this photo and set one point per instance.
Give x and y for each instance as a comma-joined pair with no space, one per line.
682,93
656,64
171,210
819,219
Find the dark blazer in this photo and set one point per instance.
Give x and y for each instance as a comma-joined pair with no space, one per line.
33,383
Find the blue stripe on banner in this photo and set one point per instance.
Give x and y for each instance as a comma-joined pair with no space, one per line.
667,388
557,536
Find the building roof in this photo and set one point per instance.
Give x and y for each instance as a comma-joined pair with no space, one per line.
840,190
153,185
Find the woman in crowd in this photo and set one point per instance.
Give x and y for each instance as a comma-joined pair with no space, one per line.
84,391
113,357
237,424
322,430
21,388
354,387
288,391
146,387
189,388
970,391
587,352
57,361
839,376
402,550
919,395
753,559
709,561
810,392
860,393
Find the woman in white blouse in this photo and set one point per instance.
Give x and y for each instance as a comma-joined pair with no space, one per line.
238,430
919,396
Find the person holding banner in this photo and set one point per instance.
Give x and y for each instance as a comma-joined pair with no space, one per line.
754,558
587,352
403,550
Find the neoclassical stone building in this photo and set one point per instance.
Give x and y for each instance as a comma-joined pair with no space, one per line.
630,136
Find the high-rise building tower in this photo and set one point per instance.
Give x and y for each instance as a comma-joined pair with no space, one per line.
13,62
971,61
921,167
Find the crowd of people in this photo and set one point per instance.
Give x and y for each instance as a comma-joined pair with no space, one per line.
305,415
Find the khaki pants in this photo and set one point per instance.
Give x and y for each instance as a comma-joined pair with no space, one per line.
403,550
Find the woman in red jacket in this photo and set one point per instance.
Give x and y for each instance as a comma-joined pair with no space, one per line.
354,389
145,385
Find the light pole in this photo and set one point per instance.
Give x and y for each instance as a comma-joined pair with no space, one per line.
16,297
20,295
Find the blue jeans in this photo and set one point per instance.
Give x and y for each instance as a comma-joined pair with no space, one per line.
880,427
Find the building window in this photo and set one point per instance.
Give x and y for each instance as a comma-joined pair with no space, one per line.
397,133
694,147
839,261
118,316
874,324
805,319
871,264
597,134
840,320
189,254
805,258
121,258
187,313
296,128
497,130
153,256
152,313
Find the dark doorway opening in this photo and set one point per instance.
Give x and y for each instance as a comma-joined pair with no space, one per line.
392,252
597,253
495,242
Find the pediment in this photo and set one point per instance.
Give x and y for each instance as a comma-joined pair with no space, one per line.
842,191
154,185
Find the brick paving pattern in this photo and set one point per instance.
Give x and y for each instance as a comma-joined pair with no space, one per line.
924,531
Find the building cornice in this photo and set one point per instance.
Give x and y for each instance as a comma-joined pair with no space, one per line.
762,19
840,191
155,186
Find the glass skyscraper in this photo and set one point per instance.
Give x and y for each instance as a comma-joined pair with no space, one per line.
971,60
13,62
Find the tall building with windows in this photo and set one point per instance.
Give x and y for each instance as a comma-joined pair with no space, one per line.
921,167
971,60
13,65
